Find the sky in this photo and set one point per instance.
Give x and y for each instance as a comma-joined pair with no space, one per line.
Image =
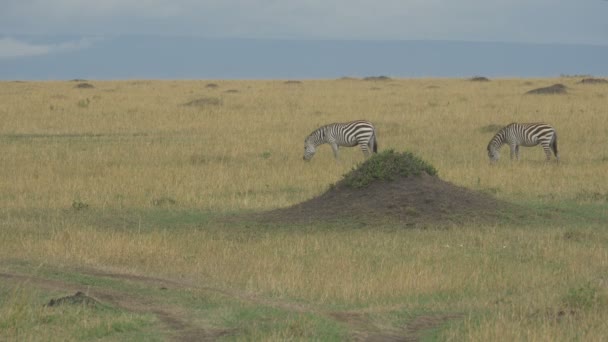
25,25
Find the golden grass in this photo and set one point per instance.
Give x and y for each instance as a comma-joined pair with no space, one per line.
125,146
133,142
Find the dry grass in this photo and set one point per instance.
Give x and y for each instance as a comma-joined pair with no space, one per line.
123,144
125,148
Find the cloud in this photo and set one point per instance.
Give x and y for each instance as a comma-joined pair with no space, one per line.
13,48
478,20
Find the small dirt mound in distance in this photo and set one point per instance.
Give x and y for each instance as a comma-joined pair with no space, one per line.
377,78
348,78
78,298
392,186
557,88
211,85
479,79
491,128
593,81
84,86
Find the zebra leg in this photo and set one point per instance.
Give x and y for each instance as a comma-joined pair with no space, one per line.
513,151
365,150
517,152
334,148
547,152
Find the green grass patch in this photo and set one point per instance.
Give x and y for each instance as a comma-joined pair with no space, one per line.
387,166
24,317
265,324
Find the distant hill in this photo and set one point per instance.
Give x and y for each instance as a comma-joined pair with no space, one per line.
159,57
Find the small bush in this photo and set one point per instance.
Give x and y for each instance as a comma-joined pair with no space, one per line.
387,166
78,205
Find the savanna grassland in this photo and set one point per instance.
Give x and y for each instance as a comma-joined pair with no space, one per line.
136,193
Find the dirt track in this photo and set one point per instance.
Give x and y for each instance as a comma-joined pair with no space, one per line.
180,328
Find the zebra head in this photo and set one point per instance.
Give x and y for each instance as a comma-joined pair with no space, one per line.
493,153
309,149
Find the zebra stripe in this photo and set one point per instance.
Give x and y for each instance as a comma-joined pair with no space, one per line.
524,134
346,134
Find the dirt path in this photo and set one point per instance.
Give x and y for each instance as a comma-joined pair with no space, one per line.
178,325
180,328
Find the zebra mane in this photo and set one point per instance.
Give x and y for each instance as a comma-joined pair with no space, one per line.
317,133
498,138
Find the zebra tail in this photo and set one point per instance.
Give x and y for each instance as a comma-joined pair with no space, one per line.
554,145
375,149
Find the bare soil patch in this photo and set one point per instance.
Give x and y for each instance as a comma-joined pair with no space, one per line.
393,186
412,201
364,329
78,298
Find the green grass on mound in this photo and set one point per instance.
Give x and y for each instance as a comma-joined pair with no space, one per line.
387,166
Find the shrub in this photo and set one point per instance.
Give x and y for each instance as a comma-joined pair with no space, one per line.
387,166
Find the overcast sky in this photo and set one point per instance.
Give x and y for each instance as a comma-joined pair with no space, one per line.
31,30
535,21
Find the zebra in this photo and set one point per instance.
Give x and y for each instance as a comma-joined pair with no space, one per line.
359,132
524,134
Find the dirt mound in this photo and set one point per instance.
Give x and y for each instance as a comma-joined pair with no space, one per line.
479,79
78,298
557,88
84,86
491,128
377,78
593,81
408,193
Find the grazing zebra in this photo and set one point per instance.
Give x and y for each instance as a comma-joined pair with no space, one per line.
524,134
348,134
